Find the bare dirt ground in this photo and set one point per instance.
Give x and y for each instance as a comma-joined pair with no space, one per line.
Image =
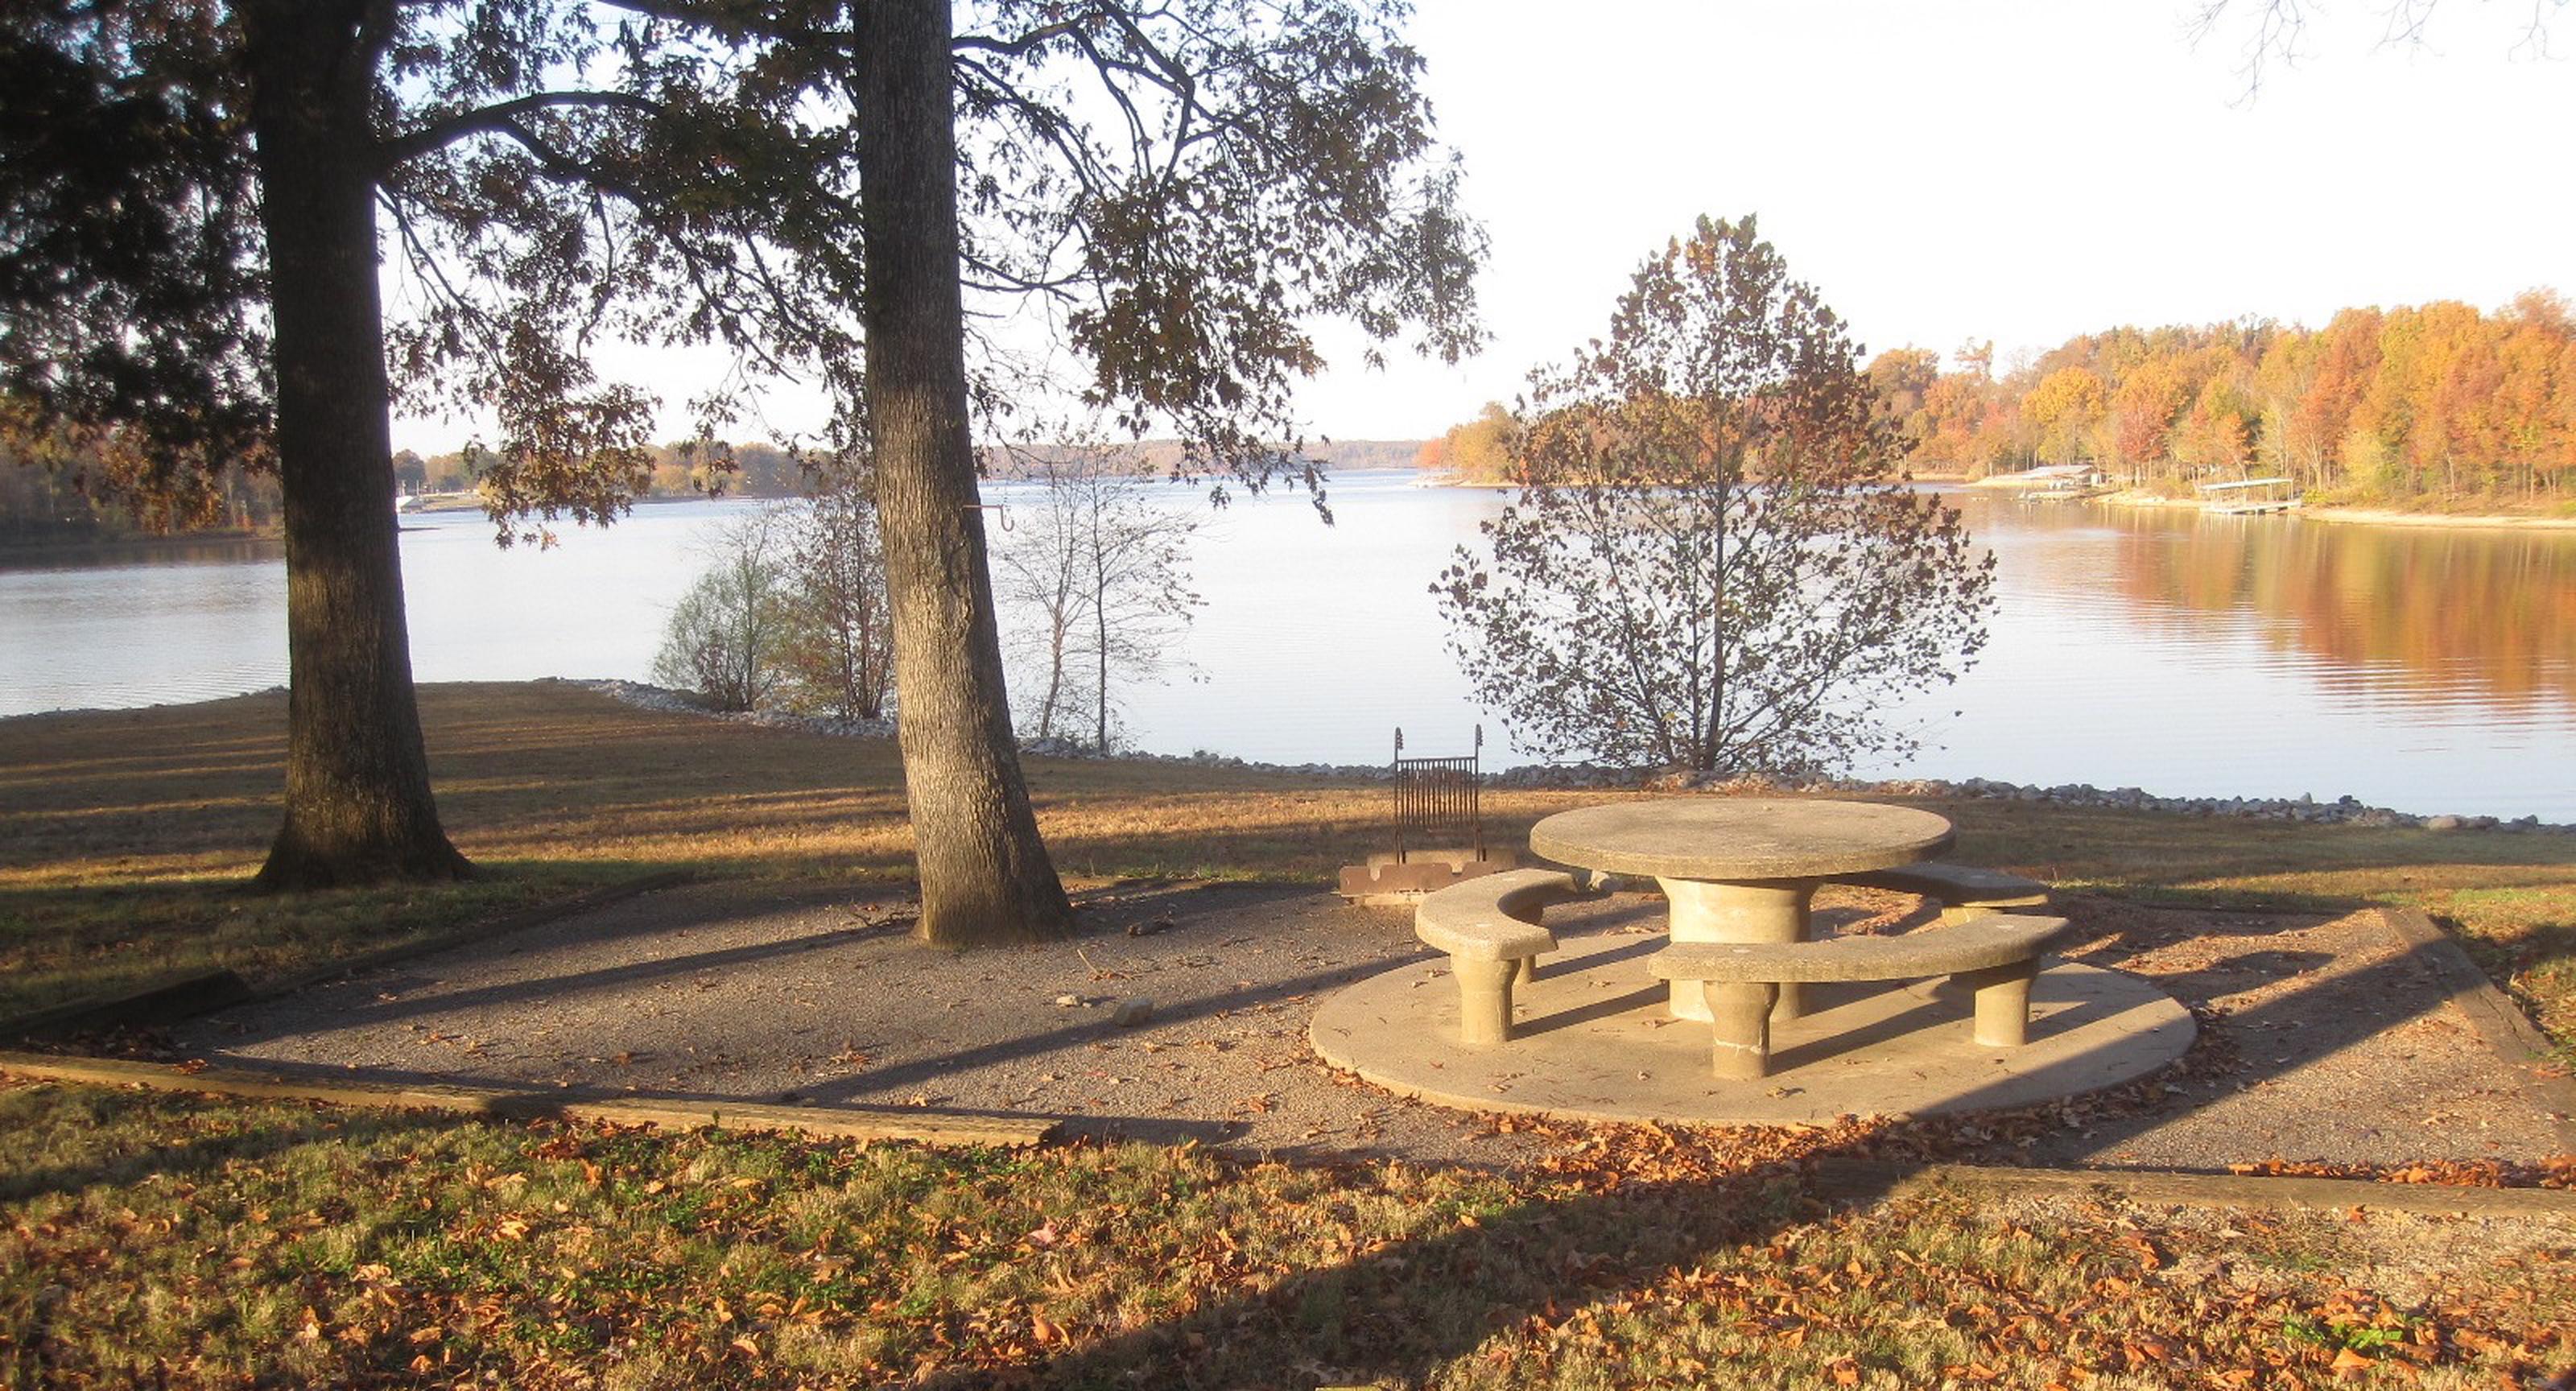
2323,1039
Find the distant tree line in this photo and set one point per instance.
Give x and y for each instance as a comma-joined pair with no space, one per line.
2437,401
63,484
85,486
1163,457
80,490
1475,451
679,468
2430,402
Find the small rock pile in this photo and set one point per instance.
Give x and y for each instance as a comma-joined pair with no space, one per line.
645,697
2342,811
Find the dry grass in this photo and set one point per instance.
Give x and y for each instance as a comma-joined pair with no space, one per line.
176,1241
182,1241
124,836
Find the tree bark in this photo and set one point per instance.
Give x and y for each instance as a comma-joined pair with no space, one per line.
358,802
985,875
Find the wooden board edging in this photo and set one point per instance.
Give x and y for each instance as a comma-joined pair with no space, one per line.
677,1113
171,997
1866,1180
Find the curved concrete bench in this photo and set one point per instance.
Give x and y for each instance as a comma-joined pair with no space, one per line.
1963,891
1490,927
1995,955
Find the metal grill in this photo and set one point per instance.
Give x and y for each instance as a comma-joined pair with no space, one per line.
1433,794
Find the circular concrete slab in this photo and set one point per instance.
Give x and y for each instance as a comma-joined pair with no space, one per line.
1594,1041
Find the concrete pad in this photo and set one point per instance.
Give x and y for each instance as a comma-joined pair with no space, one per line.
1595,1042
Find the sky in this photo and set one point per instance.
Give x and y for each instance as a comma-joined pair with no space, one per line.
2023,172
1947,171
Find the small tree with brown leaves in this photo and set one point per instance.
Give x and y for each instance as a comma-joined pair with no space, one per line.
839,649
1708,564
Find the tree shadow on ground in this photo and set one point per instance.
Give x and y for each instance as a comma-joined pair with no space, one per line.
213,1153
1401,1312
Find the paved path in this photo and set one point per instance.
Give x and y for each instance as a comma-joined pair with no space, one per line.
2330,1043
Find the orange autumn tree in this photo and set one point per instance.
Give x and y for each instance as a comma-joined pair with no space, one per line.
2441,402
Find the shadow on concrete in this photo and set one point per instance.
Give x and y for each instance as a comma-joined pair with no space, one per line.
396,980
1363,1320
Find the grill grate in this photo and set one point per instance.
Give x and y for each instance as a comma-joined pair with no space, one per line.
1436,794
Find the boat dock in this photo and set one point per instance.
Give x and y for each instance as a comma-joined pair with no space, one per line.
2248,496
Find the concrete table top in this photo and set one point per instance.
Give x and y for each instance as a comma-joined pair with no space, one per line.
1723,839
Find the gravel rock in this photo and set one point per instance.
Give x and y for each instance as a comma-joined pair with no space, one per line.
2305,808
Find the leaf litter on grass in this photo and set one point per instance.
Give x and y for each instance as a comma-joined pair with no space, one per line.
180,1241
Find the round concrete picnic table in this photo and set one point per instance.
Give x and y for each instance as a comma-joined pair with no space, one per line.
1740,869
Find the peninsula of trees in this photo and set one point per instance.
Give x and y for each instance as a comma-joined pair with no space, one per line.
2437,404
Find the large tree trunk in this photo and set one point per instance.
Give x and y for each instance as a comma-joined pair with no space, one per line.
358,805
985,876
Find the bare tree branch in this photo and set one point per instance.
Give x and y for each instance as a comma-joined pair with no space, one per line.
500,118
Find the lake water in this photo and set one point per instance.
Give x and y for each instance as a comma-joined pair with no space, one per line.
2425,669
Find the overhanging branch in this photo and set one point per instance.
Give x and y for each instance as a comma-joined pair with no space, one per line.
500,118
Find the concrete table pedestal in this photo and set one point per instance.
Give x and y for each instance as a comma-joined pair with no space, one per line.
1770,910
1740,869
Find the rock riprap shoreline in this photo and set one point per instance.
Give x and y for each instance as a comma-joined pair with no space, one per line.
2342,811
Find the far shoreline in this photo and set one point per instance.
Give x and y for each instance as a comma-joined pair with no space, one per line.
2348,516
2007,483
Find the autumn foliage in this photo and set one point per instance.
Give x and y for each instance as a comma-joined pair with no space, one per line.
2437,401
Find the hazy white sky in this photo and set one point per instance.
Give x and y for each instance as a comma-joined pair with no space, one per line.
2020,170
1947,170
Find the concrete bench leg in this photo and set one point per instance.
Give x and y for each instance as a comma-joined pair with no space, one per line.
1528,972
2003,1002
1739,1012
1484,999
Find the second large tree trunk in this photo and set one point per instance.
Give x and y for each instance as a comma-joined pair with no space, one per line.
985,876
358,805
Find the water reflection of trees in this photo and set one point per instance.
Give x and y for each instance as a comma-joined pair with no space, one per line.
2443,612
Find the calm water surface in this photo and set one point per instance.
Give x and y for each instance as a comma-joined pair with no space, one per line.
2426,669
